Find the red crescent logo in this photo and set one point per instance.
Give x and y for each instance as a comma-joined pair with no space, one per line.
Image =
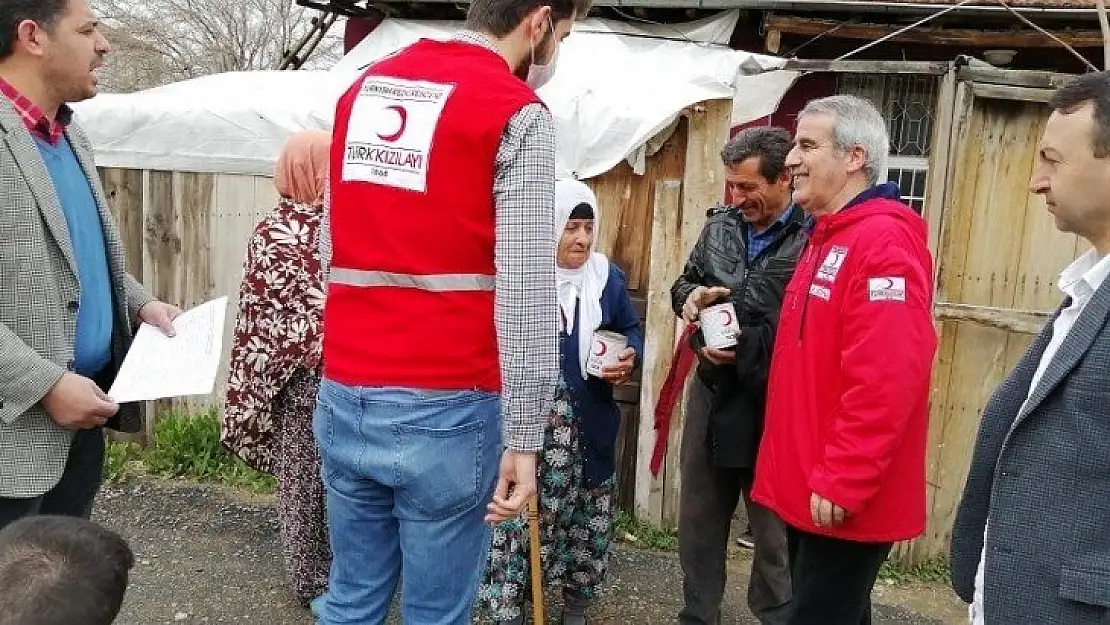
889,283
404,115
727,316
601,348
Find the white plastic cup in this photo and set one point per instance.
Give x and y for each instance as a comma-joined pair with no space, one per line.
605,351
719,326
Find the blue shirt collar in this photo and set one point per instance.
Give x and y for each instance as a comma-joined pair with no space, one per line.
776,226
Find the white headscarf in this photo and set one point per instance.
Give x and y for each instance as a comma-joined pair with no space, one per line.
586,283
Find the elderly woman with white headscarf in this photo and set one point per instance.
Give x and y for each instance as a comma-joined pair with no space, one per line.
577,481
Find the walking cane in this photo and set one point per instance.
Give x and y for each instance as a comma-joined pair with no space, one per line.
534,559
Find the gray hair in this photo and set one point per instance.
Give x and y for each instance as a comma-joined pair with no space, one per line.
857,123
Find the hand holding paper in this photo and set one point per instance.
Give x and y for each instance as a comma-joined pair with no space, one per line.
160,315
158,366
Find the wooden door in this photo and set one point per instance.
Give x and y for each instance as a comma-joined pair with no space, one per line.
998,255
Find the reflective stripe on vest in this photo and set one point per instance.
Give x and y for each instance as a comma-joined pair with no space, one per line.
436,282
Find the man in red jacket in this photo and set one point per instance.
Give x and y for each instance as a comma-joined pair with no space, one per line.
440,353
842,460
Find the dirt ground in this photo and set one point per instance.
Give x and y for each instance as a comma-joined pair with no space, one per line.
209,555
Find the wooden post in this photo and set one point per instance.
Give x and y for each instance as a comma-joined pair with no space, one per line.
679,214
940,162
704,179
161,257
195,198
1105,26
627,210
702,188
535,561
666,263
123,191
773,41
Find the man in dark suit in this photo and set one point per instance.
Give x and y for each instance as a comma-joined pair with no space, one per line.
67,306
1031,542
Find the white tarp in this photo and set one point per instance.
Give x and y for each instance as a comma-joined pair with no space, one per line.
617,85
234,123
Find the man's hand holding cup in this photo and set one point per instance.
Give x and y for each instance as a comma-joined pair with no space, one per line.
700,298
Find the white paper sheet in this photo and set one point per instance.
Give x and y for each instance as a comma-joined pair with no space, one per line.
158,366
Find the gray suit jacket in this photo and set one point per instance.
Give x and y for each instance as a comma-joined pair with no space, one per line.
1043,476
38,319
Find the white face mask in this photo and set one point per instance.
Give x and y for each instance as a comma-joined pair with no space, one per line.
539,75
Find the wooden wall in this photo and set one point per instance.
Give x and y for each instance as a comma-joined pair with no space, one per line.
185,236
626,202
998,256
690,179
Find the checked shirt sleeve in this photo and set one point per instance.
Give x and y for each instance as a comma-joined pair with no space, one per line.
525,306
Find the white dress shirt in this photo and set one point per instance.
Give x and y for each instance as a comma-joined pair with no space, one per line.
1079,282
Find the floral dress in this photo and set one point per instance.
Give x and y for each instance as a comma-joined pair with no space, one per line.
576,526
273,375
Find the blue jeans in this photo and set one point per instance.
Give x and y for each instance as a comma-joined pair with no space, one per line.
408,475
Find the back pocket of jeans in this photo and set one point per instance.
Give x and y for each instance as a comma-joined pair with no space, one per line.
438,470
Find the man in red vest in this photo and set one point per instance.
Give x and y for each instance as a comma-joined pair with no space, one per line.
440,351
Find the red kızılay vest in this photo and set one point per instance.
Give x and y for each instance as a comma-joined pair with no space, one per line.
410,298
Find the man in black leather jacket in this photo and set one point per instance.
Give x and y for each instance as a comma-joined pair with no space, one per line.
746,254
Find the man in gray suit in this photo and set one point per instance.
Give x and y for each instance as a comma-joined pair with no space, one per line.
67,306
1031,542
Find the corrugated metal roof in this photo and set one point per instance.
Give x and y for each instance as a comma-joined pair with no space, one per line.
1031,4
1055,7
738,4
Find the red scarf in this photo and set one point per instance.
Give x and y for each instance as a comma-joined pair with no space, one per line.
681,364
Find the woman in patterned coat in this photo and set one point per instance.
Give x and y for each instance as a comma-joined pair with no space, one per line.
577,480
275,359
